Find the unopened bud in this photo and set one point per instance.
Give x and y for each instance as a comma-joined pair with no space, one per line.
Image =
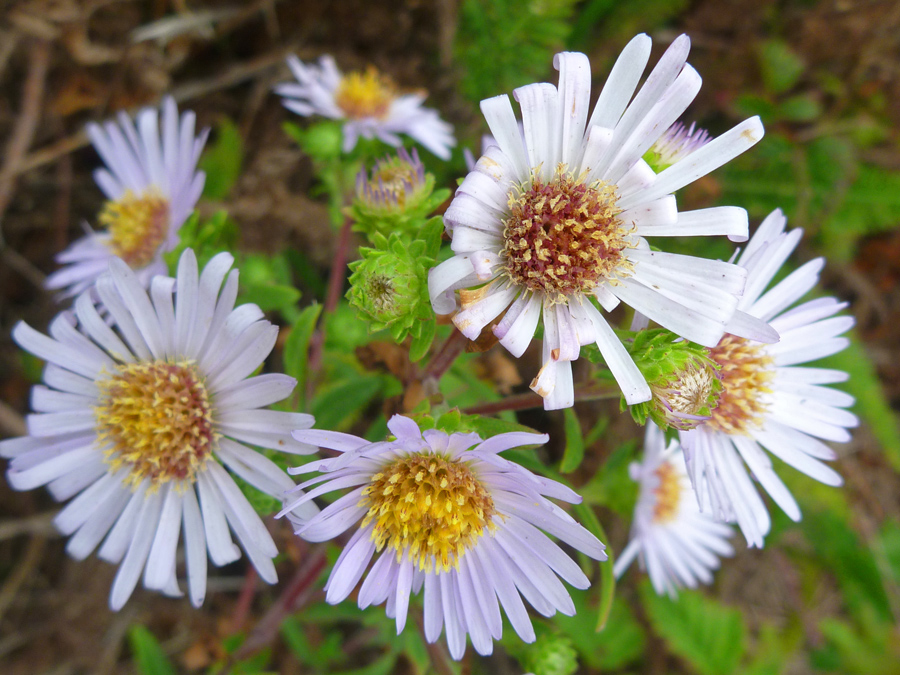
682,377
396,196
674,145
389,286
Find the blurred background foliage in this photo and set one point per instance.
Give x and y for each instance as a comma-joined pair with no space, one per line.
822,597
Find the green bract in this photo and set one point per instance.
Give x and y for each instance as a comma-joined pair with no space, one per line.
550,654
396,197
389,289
683,379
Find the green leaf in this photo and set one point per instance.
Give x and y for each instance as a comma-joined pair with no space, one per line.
222,160
840,552
422,342
507,43
296,347
611,486
607,579
621,643
339,403
269,296
870,205
801,108
780,67
706,634
574,452
151,660
871,401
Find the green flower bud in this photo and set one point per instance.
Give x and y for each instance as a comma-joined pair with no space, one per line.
389,287
682,377
550,654
396,197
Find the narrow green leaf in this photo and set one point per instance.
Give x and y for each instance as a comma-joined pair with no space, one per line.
590,521
422,342
222,160
337,404
574,452
151,660
296,347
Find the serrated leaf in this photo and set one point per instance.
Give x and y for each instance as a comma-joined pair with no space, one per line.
870,205
296,346
222,160
149,655
574,452
710,636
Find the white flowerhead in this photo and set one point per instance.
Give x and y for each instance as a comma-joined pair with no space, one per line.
446,513
369,102
766,400
552,222
151,183
677,544
138,416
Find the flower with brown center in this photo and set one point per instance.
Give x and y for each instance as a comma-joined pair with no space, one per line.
551,223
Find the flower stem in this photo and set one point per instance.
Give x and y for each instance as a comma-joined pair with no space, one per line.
445,356
529,400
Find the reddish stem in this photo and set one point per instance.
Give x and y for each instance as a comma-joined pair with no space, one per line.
529,400
296,594
445,356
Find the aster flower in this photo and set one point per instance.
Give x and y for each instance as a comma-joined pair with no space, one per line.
446,513
676,543
549,227
140,417
369,102
767,400
151,183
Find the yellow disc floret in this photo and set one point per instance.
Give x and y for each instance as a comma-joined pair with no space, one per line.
746,373
667,492
138,226
362,95
564,236
156,419
428,508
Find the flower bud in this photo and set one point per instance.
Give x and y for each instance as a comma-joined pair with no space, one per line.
674,145
389,288
682,377
396,196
